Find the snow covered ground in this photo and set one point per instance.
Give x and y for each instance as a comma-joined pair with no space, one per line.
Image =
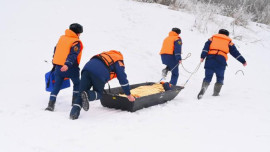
237,121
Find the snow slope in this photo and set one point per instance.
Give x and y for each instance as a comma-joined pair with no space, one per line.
236,121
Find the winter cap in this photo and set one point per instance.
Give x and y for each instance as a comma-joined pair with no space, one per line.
223,31
176,30
76,28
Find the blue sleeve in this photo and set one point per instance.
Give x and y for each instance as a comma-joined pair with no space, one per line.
178,49
122,77
236,54
206,49
74,52
53,53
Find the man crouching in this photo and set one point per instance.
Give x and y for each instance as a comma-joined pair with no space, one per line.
96,73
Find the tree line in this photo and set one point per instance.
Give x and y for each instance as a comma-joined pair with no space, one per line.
242,10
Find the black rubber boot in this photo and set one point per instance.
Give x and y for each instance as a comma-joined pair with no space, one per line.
217,89
165,72
85,101
75,112
50,106
73,99
203,89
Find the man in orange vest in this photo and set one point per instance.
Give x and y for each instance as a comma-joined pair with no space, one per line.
171,54
215,51
96,73
66,59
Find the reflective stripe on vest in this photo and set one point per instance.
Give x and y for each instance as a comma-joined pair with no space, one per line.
168,43
220,45
63,47
109,58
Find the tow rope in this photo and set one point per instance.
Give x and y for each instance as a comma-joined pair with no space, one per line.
239,71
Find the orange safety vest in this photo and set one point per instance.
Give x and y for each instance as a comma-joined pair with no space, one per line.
168,43
63,47
220,45
109,58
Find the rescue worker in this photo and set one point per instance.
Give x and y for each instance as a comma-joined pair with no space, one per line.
215,51
171,54
66,59
96,73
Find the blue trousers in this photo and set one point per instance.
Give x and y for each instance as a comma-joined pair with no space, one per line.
58,82
88,80
175,73
209,72
171,62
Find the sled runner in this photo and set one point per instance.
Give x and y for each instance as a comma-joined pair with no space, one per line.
112,99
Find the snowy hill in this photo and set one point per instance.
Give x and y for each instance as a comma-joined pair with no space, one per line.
237,121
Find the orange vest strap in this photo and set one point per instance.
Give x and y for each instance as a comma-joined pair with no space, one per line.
109,58
112,75
106,58
218,52
121,63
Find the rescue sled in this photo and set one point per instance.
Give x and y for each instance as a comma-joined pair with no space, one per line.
111,98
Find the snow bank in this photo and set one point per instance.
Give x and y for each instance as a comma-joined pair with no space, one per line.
238,120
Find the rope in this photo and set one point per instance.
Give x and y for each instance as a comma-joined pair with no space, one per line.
191,73
188,55
185,69
169,71
174,67
239,71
